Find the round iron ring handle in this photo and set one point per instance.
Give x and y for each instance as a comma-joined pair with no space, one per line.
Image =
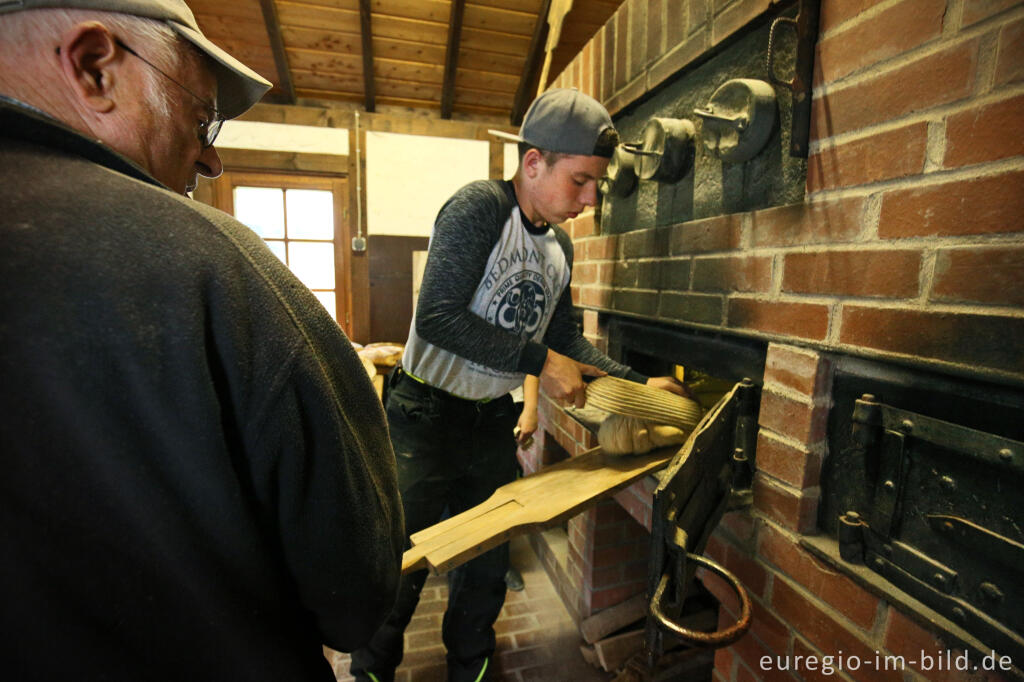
712,640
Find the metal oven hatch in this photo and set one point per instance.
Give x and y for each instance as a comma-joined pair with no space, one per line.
922,484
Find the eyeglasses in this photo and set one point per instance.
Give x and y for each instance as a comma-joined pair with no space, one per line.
209,129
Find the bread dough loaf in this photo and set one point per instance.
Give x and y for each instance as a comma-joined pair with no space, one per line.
621,435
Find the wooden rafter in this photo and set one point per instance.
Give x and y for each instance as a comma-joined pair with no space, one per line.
531,66
451,57
284,73
367,34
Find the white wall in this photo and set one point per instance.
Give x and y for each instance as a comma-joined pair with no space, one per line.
279,137
409,177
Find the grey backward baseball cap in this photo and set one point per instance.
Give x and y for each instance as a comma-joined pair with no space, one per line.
238,86
566,121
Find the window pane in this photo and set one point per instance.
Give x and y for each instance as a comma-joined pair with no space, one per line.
262,209
278,248
327,300
312,263
310,214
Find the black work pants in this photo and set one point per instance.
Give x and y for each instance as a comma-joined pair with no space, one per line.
452,454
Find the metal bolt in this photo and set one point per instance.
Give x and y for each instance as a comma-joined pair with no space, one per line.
1006,454
958,615
991,592
889,485
907,425
887,550
948,483
939,580
947,526
879,564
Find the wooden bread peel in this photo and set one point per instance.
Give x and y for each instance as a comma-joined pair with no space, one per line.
532,503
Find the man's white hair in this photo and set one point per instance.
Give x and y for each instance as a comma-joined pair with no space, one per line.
35,33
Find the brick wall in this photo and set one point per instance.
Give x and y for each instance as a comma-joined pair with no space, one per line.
907,248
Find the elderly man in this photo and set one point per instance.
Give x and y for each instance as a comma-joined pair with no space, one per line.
197,479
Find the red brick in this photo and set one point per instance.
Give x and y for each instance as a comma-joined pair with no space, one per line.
979,10
803,320
637,36
906,639
594,297
885,156
587,69
750,573
876,38
802,370
723,662
788,507
654,29
968,340
821,222
824,668
1010,59
584,273
832,587
621,54
602,248
987,133
583,226
678,56
701,236
800,421
933,80
772,632
738,14
675,25
602,599
988,205
836,12
608,60
889,274
992,275
824,632
733,273
787,462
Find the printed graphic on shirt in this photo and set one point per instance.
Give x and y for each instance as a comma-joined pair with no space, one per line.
519,303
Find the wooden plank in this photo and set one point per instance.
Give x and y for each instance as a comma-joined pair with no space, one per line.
366,30
451,59
531,68
325,63
304,162
614,618
322,19
273,28
614,651
532,503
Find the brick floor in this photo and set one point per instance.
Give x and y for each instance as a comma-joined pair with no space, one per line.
537,640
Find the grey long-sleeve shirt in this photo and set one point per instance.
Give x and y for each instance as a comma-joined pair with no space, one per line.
495,296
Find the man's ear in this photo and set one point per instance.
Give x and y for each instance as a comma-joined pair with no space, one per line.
531,162
88,57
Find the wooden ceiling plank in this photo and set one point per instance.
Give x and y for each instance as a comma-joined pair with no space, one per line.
451,59
284,76
532,66
366,29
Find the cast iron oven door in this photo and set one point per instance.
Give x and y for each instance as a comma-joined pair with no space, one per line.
941,518
711,471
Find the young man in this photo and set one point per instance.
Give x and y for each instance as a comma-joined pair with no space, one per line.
494,306
198,482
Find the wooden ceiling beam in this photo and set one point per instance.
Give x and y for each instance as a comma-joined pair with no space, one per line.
451,59
284,73
366,30
531,68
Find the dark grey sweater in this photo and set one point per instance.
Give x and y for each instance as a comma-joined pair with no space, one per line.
469,228
197,478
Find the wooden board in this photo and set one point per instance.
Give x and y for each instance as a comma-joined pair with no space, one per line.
532,503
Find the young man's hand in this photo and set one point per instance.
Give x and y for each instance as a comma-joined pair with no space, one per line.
562,378
670,384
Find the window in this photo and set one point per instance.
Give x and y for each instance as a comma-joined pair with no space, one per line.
302,220
298,226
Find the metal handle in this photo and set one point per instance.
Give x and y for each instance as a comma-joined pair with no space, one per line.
637,149
771,53
739,121
712,640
